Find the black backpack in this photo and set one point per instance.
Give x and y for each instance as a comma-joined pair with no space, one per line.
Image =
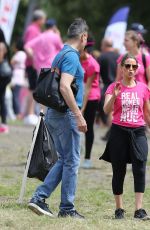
47,90
44,154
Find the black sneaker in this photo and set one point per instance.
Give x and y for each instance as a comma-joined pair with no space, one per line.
141,214
73,214
119,213
40,207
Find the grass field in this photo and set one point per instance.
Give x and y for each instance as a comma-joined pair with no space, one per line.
94,198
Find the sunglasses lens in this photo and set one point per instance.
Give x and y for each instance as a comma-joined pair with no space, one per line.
128,66
134,67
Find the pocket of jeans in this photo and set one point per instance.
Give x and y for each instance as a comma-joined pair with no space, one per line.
72,120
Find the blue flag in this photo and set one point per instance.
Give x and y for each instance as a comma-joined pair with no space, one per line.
117,27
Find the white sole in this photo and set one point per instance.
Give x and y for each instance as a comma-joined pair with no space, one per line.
35,208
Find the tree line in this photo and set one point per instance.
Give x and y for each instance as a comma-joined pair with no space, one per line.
96,12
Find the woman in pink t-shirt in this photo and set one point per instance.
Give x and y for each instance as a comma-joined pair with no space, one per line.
91,98
132,45
129,102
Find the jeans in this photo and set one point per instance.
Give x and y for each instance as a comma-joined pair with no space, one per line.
66,136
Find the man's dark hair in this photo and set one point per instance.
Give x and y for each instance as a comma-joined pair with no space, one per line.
78,27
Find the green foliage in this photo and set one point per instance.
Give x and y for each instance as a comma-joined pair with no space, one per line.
96,12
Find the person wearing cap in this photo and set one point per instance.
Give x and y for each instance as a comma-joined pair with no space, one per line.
139,28
141,31
45,47
91,97
32,31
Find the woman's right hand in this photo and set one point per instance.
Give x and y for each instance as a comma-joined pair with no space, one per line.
117,89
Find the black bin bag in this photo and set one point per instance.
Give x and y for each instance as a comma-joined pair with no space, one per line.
44,154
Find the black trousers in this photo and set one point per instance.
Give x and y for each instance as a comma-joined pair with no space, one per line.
89,116
3,110
127,145
16,103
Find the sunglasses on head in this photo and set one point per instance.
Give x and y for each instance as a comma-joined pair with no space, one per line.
128,66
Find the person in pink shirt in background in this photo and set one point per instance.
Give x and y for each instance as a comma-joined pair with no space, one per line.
91,97
132,45
32,31
45,47
128,99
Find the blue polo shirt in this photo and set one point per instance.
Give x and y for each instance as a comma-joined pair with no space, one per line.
70,64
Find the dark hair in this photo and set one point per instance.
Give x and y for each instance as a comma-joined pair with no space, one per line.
134,36
90,43
2,37
19,44
127,56
78,27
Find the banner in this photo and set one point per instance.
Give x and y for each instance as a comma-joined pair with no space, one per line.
117,27
8,11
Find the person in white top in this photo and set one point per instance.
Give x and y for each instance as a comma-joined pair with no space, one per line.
18,77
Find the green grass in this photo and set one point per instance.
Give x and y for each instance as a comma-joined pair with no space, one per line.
94,197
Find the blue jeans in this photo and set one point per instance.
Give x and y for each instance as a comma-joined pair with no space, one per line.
66,136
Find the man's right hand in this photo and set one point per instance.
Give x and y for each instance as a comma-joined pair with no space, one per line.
81,123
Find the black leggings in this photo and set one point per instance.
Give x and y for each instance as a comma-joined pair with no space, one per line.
119,172
3,112
122,153
89,116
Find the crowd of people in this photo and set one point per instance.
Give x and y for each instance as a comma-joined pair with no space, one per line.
116,93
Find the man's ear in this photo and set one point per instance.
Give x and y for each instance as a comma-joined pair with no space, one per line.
82,37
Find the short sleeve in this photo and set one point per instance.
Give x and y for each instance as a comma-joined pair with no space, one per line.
20,56
110,89
147,94
16,57
92,69
70,64
147,60
119,59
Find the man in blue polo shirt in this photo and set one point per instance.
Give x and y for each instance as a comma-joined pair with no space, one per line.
65,128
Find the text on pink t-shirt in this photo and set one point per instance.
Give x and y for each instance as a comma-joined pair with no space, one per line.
128,106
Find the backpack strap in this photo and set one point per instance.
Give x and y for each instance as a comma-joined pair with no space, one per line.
55,68
144,64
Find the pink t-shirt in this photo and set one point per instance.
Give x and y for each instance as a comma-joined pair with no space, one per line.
32,31
91,67
45,47
140,74
128,106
